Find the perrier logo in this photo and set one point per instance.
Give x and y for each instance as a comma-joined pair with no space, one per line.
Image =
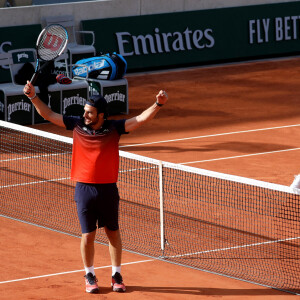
115,97
17,106
73,100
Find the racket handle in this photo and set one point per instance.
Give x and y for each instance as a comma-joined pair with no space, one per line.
34,78
36,74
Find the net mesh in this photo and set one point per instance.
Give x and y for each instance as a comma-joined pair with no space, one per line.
233,226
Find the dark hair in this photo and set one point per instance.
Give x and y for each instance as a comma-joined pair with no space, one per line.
100,103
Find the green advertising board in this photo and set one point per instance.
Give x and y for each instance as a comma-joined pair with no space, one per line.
16,37
19,110
200,37
73,101
115,92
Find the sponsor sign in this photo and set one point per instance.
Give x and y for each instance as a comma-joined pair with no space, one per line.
201,37
115,92
19,110
73,101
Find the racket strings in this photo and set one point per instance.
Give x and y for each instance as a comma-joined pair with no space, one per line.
52,42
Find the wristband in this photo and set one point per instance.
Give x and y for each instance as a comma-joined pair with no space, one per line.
31,98
158,104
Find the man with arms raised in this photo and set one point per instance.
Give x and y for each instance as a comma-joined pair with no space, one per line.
95,165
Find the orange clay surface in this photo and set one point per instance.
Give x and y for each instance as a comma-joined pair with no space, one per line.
241,119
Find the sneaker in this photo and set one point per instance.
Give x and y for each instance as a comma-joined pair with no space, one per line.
117,283
91,285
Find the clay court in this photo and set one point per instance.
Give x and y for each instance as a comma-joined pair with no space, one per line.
239,119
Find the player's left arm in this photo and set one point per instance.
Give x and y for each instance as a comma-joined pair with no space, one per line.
148,114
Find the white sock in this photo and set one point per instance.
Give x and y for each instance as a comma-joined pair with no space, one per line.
115,270
89,270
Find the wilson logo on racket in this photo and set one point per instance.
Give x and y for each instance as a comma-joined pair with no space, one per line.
52,42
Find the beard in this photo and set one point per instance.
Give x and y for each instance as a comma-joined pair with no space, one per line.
91,122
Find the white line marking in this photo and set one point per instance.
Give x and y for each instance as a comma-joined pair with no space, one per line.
238,156
210,135
33,157
69,272
140,169
234,247
34,182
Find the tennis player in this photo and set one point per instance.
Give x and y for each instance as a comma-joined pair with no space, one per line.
95,165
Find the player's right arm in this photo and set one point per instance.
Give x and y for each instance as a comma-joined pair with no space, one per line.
41,107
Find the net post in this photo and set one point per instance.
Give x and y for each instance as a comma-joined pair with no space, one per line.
161,207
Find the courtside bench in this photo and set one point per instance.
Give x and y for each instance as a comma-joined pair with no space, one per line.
17,108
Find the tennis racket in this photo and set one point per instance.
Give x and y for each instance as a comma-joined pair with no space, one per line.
50,44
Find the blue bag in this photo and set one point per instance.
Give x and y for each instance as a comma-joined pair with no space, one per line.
105,67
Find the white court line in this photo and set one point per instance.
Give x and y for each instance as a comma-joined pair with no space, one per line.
33,157
210,135
70,272
237,156
34,182
234,247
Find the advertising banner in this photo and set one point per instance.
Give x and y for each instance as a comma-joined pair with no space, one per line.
200,37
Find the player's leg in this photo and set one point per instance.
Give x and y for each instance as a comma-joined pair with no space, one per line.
113,233
88,252
115,250
87,248
85,199
115,246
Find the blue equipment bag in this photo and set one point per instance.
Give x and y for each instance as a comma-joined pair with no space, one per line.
106,67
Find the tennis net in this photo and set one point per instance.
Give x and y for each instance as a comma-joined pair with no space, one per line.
228,225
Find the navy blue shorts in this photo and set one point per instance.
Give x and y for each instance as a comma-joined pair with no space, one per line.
97,204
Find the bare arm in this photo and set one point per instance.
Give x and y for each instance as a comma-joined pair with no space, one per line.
41,107
148,114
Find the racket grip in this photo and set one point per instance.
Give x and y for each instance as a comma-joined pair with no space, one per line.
34,78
